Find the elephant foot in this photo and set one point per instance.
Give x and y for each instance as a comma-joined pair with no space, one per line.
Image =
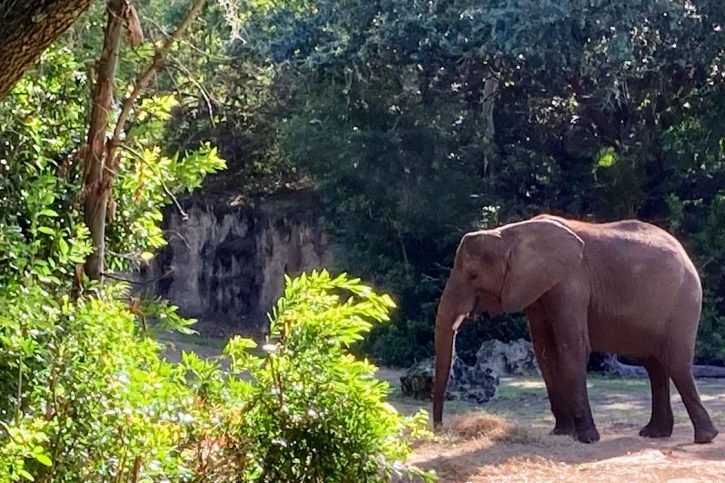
656,431
563,431
705,435
588,435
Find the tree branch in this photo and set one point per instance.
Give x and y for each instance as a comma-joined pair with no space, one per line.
136,282
145,77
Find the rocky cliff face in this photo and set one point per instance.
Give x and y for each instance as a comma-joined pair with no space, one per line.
225,263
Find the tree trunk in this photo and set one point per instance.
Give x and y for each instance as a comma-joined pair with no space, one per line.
97,180
491,91
101,161
28,27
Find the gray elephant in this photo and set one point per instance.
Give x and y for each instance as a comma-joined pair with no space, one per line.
626,287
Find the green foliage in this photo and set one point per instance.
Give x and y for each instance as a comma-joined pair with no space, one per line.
707,223
308,411
90,393
85,394
92,398
22,450
148,180
39,232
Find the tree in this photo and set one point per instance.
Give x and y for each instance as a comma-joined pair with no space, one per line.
29,27
101,162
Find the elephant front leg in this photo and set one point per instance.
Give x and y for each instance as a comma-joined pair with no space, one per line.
542,337
577,401
572,374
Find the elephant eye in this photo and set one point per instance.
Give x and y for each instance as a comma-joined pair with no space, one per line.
472,276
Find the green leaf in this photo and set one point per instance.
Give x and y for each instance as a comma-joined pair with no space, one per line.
43,459
63,247
48,212
24,473
607,158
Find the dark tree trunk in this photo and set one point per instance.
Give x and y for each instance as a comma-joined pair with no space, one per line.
98,175
28,27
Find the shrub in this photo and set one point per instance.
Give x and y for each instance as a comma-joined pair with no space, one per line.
92,400
87,397
309,411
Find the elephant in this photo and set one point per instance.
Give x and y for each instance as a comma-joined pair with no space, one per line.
625,287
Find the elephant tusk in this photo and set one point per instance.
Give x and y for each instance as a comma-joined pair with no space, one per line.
458,322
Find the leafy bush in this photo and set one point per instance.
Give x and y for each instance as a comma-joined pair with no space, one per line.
91,395
84,392
87,396
309,411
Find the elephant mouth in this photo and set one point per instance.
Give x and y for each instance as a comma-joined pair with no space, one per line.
490,303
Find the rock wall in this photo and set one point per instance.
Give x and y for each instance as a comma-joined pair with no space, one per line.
225,262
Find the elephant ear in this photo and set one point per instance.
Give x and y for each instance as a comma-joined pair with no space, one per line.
542,253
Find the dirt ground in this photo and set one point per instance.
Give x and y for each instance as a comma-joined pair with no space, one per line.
507,439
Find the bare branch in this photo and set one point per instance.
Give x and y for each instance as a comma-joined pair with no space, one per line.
204,93
145,77
164,275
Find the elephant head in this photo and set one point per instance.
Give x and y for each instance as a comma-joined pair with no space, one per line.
501,270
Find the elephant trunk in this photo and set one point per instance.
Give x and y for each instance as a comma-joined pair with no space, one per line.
450,314
444,337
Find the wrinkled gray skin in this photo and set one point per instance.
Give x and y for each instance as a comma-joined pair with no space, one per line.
626,287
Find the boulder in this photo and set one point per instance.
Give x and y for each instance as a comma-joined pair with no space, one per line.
417,380
515,358
474,383
613,366
467,383
477,382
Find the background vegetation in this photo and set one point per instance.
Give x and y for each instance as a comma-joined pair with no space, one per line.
418,121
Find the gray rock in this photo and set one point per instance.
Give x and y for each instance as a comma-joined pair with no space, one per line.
476,383
515,358
471,383
614,367
226,260
468,383
417,380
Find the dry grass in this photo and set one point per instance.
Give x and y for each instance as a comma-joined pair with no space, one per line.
485,448
507,440
491,427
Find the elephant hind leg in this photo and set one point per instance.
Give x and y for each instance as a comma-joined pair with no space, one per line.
661,420
678,364
682,376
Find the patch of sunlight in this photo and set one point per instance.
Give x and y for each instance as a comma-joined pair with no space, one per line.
713,397
526,383
622,406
